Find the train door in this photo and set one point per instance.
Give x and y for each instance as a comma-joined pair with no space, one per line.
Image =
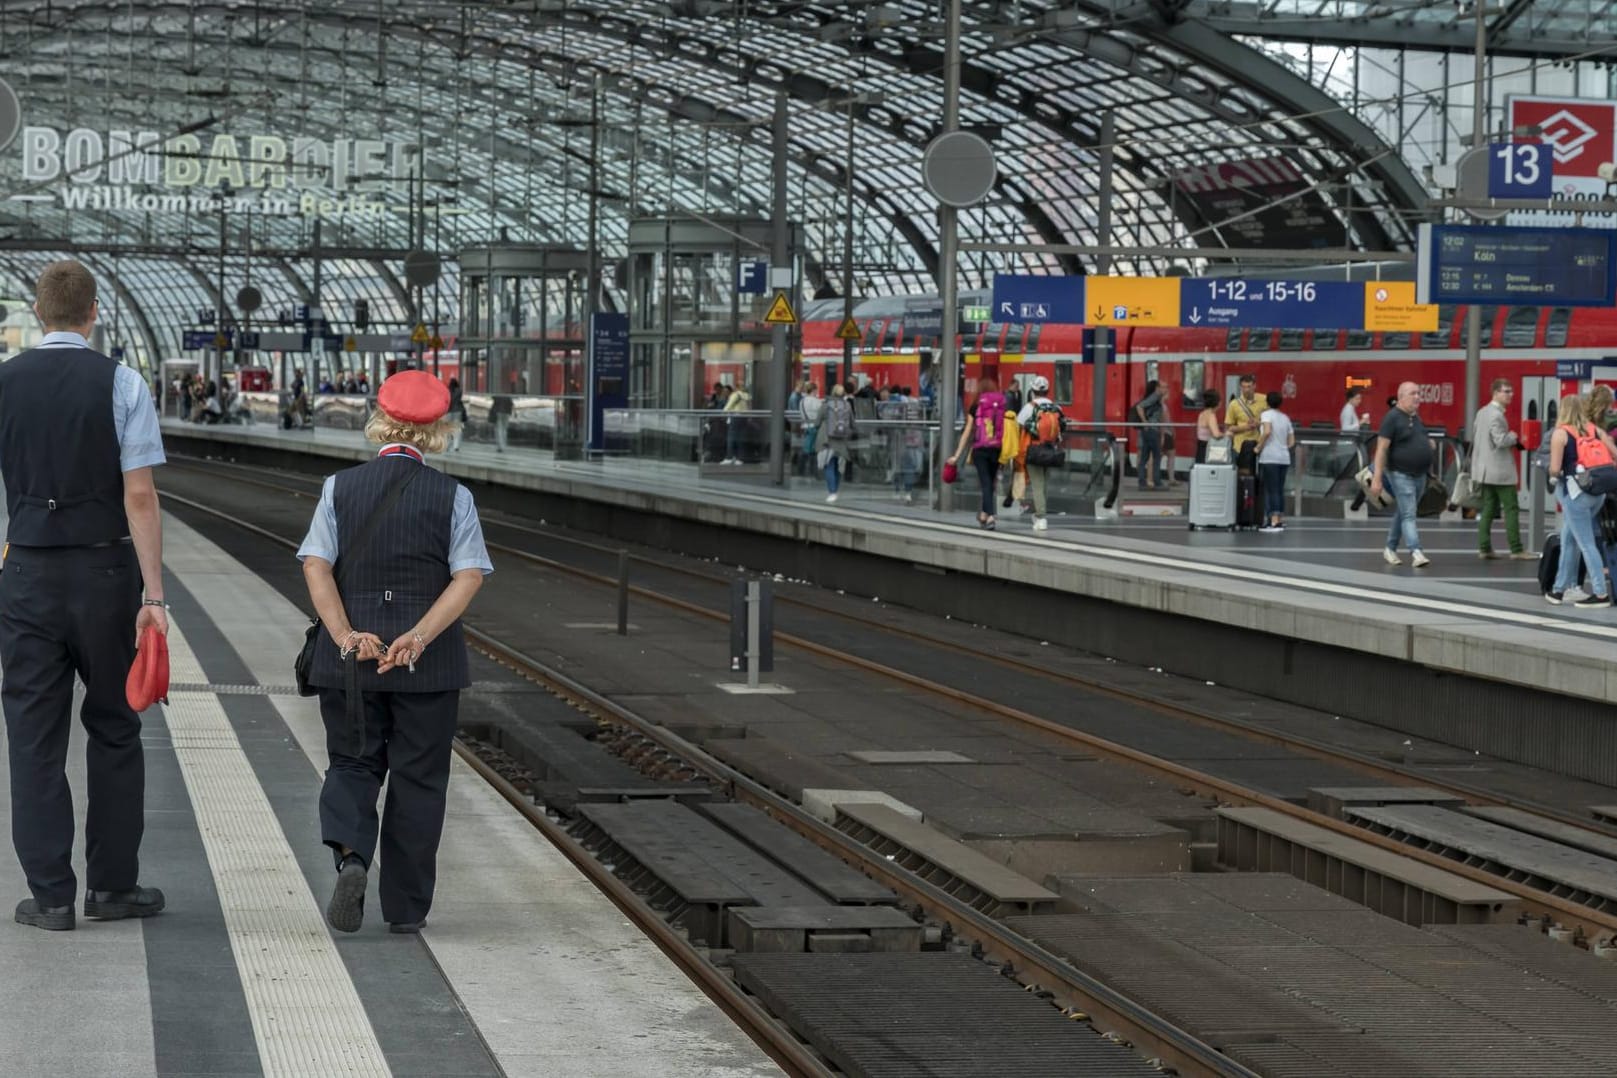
1540,398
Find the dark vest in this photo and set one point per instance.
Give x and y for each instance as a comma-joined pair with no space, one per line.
392,583
59,450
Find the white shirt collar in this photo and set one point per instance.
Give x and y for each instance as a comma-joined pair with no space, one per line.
63,338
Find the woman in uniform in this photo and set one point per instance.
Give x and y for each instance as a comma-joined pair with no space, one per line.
393,556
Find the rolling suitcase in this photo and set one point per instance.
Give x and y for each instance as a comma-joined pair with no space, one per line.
1212,496
1246,502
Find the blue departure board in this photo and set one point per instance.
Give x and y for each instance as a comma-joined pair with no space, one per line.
1549,267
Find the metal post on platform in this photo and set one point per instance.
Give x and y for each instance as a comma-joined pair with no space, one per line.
623,593
1535,505
948,271
1102,347
753,633
1479,135
780,258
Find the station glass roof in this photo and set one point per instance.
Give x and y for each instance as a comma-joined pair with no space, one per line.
502,95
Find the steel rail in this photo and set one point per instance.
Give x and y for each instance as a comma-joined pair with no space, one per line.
1084,995
793,1056
1591,923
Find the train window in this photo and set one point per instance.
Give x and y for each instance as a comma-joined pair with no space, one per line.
1260,340
1195,375
1063,386
1151,367
1032,343
1555,328
1291,340
1396,341
1232,343
1325,339
1359,338
1439,338
1521,327
873,333
1489,316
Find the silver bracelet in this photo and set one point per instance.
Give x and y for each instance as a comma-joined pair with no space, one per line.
154,602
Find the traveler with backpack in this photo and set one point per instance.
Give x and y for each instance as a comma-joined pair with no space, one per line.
1042,419
836,434
1582,461
1148,413
984,432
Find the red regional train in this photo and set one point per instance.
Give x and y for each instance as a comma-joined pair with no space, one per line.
1546,352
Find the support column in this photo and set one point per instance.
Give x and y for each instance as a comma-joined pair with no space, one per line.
1102,357
1473,314
780,258
948,269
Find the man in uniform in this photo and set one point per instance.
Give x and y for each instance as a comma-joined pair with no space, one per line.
78,440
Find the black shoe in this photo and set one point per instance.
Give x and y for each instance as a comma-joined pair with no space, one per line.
346,910
116,905
1594,600
406,928
50,918
1554,597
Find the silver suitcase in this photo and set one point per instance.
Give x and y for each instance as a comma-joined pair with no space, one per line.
1212,496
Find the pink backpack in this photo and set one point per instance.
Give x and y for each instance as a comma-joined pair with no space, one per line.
990,421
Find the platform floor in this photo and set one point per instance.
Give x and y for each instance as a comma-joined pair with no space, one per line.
523,969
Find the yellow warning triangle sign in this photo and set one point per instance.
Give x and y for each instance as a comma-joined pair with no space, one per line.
849,330
780,312
419,334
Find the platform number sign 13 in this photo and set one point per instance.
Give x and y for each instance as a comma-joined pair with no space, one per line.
1519,170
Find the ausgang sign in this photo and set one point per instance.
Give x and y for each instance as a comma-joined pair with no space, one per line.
87,168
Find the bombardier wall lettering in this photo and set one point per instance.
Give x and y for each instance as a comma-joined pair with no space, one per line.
142,170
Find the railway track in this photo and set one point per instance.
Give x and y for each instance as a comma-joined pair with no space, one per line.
1584,924
1078,995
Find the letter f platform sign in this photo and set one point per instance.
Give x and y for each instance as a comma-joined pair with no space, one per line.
752,278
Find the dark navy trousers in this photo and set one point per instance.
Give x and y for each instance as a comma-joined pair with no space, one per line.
408,741
67,611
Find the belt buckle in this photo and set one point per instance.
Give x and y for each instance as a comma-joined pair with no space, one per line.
387,596
50,503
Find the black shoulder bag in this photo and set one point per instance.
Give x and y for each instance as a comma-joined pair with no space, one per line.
304,663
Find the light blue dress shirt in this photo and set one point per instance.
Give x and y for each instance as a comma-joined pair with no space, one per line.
466,548
134,415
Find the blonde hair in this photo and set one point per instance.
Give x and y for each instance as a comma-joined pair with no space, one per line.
839,390
1571,412
1599,402
433,437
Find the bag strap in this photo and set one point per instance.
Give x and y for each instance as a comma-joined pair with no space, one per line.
374,521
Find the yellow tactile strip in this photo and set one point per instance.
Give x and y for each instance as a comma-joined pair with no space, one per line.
307,1016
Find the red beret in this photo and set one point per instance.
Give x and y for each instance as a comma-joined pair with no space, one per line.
147,682
413,397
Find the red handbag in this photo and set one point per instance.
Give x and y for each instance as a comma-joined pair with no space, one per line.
951,471
148,676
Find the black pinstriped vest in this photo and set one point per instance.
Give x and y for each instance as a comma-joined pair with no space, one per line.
395,581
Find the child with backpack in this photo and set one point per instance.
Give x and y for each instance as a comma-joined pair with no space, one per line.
1041,418
836,436
985,433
